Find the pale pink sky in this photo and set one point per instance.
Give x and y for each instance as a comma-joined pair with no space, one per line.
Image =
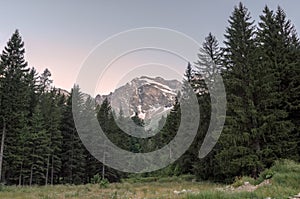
59,34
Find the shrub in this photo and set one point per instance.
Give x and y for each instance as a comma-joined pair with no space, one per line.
96,179
237,182
104,183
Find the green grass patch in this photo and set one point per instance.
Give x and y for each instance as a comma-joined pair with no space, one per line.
284,177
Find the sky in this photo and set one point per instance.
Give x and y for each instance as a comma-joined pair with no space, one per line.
61,34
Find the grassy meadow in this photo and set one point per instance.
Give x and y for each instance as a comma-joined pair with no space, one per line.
283,181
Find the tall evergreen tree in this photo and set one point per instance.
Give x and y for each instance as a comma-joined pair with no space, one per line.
209,60
39,146
209,65
49,99
240,140
14,105
73,151
279,60
107,122
53,119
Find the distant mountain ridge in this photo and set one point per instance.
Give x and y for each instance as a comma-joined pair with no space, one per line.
149,98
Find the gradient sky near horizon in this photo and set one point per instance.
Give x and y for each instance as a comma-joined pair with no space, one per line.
60,34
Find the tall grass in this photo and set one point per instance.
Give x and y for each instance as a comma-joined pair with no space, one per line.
285,182
284,177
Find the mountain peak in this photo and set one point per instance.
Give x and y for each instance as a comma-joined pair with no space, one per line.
149,97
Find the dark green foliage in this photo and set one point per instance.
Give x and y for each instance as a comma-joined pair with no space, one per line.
14,104
110,128
240,140
279,47
260,66
38,142
208,65
73,151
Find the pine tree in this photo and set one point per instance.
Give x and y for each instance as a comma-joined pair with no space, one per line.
53,128
209,60
135,143
209,65
45,81
240,140
278,45
24,151
33,93
39,145
106,120
14,105
73,151
93,166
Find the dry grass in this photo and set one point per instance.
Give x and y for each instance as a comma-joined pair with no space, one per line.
115,190
284,182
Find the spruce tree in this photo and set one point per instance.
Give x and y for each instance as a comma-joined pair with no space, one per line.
39,148
208,65
279,60
73,151
240,140
14,105
107,123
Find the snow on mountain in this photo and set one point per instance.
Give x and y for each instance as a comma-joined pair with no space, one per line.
149,98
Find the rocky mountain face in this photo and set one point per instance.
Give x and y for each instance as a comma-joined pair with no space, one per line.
150,98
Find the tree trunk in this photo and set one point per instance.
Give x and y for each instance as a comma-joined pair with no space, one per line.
31,171
2,147
52,170
103,162
20,177
47,171
103,166
71,180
